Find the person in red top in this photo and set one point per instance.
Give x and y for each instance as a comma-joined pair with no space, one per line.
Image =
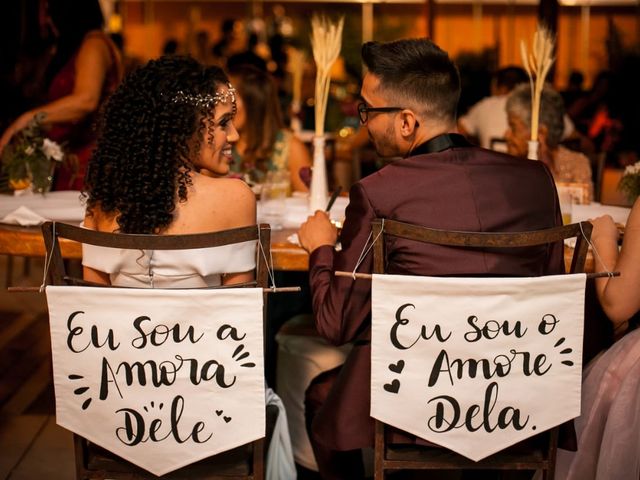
84,70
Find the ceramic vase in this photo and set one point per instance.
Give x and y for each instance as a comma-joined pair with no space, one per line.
533,150
319,187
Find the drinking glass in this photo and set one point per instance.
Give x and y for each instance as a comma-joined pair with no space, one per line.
566,205
272,198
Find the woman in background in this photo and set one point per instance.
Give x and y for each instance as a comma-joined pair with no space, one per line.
608,427
619,296
565,165
265,143
166,122
84,70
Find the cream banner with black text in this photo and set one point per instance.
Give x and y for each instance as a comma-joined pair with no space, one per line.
162,378
476,364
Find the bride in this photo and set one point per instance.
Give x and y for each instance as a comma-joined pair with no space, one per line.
166,122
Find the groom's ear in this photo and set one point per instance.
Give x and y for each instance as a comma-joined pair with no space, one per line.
409,122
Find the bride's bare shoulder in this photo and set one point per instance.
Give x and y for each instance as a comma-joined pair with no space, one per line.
222,202
229,190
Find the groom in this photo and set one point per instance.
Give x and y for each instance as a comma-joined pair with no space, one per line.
410,95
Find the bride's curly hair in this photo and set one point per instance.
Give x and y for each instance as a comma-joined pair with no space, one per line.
151,128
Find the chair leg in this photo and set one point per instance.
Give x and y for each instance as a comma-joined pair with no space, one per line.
9,274
378,473
258,459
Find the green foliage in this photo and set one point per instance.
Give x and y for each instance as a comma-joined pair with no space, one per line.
630,182
30,157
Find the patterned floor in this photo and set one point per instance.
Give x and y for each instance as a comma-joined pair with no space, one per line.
32,446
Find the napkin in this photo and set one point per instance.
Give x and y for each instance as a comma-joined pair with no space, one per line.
23,216
293,238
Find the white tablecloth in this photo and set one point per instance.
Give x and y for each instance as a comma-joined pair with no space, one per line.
296,210
59,206
580,213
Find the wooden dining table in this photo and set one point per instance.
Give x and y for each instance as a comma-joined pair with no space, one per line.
28,242
287,256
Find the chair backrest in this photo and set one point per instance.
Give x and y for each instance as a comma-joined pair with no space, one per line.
600,160
51,231
92,461
581,231
388,458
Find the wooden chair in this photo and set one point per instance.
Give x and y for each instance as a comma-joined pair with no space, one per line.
598,167
538,453
94,462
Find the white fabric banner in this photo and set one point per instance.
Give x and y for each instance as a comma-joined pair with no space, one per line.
476,364
162,378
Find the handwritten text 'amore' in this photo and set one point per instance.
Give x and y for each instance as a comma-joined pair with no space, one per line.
404,335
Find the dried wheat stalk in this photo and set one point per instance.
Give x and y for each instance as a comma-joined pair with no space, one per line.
537,64
326,40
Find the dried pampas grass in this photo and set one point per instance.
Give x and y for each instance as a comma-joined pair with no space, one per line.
326,41
537,64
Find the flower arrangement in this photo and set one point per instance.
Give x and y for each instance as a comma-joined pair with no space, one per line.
630,182
30,157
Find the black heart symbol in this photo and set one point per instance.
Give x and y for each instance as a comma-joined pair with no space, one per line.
392,387
218,412
397,367
227,419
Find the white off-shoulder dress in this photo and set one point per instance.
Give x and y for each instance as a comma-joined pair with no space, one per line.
194,268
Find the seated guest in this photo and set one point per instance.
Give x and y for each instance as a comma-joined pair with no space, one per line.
619,296
410,94
85,69
167,121
487,119
609,424
265,143
566,165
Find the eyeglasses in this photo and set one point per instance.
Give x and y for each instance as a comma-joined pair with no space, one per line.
363,111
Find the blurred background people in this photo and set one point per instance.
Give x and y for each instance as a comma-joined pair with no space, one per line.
486,121
27,39
84,70
565,165
129,62
170,47
249,56
232,40
265,143
201,48
575,89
